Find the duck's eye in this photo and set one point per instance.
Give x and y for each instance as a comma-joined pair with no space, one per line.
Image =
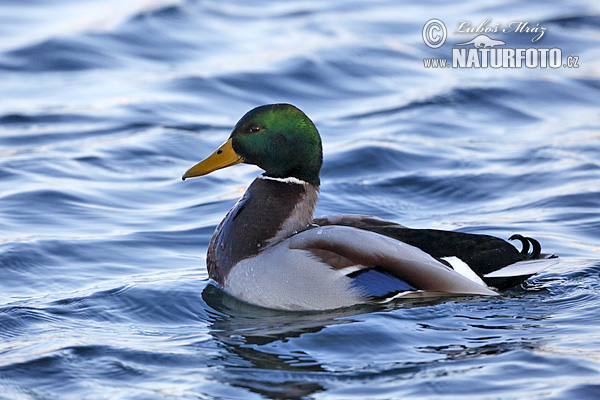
255,128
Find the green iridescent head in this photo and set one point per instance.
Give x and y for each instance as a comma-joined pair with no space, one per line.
278,138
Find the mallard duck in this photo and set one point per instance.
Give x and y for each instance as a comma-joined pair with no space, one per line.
270,251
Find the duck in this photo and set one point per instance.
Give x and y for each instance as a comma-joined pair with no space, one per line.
270,250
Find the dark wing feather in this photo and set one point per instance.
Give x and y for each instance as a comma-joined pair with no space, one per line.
368,250
483,253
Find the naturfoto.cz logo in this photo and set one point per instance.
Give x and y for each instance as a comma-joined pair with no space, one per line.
488,52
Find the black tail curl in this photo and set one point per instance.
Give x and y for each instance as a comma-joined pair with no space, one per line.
526,243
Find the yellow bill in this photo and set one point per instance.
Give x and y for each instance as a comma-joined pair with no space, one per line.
223,157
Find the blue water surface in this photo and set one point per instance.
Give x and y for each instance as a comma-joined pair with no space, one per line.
103,287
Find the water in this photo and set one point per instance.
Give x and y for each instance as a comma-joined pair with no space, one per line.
103,288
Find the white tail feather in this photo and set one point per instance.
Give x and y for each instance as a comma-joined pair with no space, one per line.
522,268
